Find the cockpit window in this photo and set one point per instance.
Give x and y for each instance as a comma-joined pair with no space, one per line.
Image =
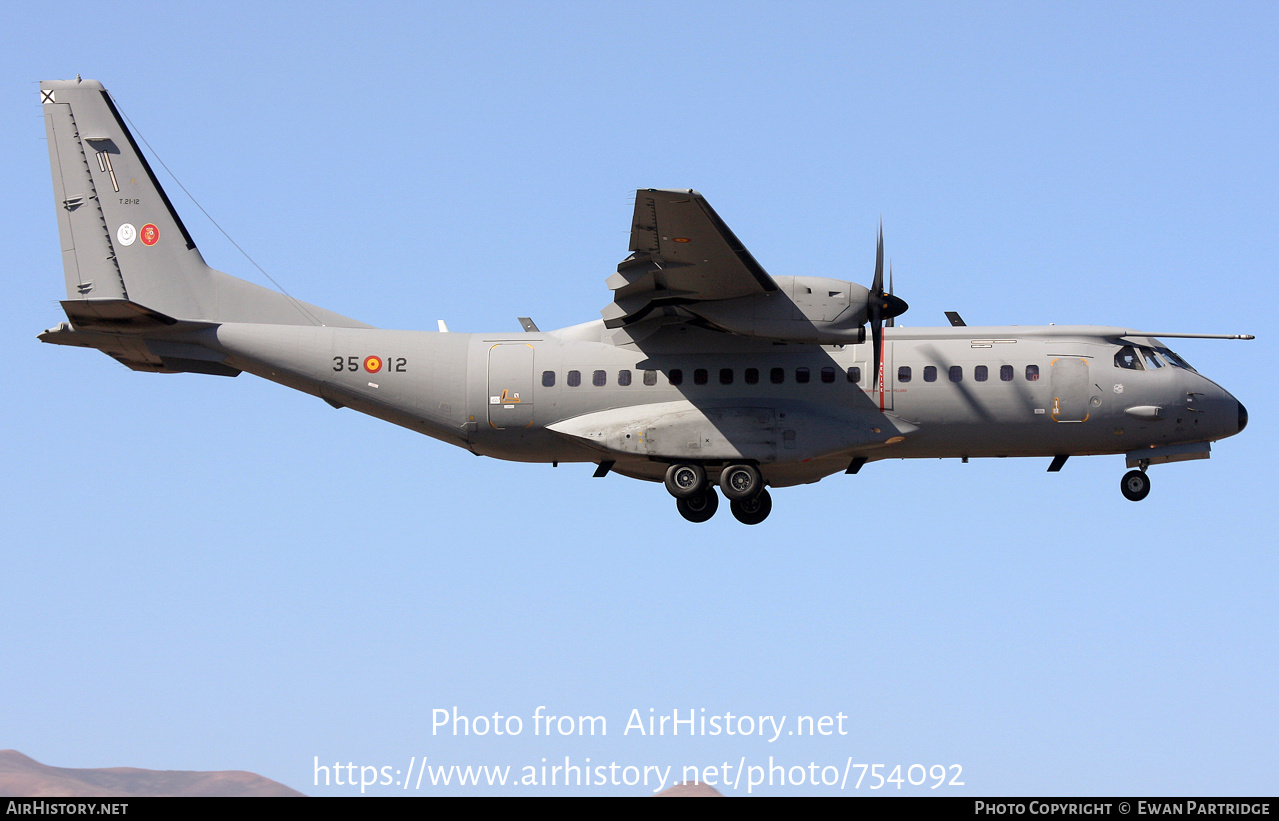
1127,358
1152,361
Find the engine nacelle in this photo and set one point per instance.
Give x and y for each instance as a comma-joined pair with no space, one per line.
809,310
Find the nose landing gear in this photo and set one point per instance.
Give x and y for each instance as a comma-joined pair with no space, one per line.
1135,485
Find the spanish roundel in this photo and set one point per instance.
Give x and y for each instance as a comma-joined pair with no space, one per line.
372,364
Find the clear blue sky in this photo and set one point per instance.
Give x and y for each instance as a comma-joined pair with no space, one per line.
204,573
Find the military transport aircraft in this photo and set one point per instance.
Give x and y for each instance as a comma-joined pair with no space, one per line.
705,371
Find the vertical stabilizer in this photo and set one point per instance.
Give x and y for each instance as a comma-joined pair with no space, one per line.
113,217
121,237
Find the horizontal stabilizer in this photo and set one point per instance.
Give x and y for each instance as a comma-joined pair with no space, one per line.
119,315
142,353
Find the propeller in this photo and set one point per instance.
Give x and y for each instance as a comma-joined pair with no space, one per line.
881,305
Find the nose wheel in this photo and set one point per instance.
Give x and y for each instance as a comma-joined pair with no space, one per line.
1135,485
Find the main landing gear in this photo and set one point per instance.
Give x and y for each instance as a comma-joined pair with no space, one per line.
1135,485
697,501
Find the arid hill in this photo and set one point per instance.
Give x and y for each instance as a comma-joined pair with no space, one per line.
24,776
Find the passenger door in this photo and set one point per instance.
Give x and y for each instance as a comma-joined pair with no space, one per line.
511,385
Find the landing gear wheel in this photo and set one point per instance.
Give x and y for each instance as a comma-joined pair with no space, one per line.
752,511
685,481
1135,485
740,482
699,507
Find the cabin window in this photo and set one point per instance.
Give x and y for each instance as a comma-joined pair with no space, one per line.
801,375
956,373
700,376
903,373
650,378
828,375
548,379
599,379
930,373
623,378
676,376
1032,373
726,376
855,375
1127,359
777,376
1006,373
981,373
752,376
574,378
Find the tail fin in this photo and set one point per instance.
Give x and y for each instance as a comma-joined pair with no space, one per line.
122,241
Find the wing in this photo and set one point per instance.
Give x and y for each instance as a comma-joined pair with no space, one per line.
681,253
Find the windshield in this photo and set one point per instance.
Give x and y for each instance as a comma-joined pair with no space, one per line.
1131,357
1175,359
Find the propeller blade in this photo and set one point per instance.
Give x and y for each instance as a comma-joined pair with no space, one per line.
875,312
877,288
891,317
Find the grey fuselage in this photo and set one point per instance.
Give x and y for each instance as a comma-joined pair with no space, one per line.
489,394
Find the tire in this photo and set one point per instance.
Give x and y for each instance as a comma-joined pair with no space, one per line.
700,507
684,481
1135,485
740,482
753,511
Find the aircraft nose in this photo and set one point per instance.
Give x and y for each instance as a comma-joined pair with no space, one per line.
1243,416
